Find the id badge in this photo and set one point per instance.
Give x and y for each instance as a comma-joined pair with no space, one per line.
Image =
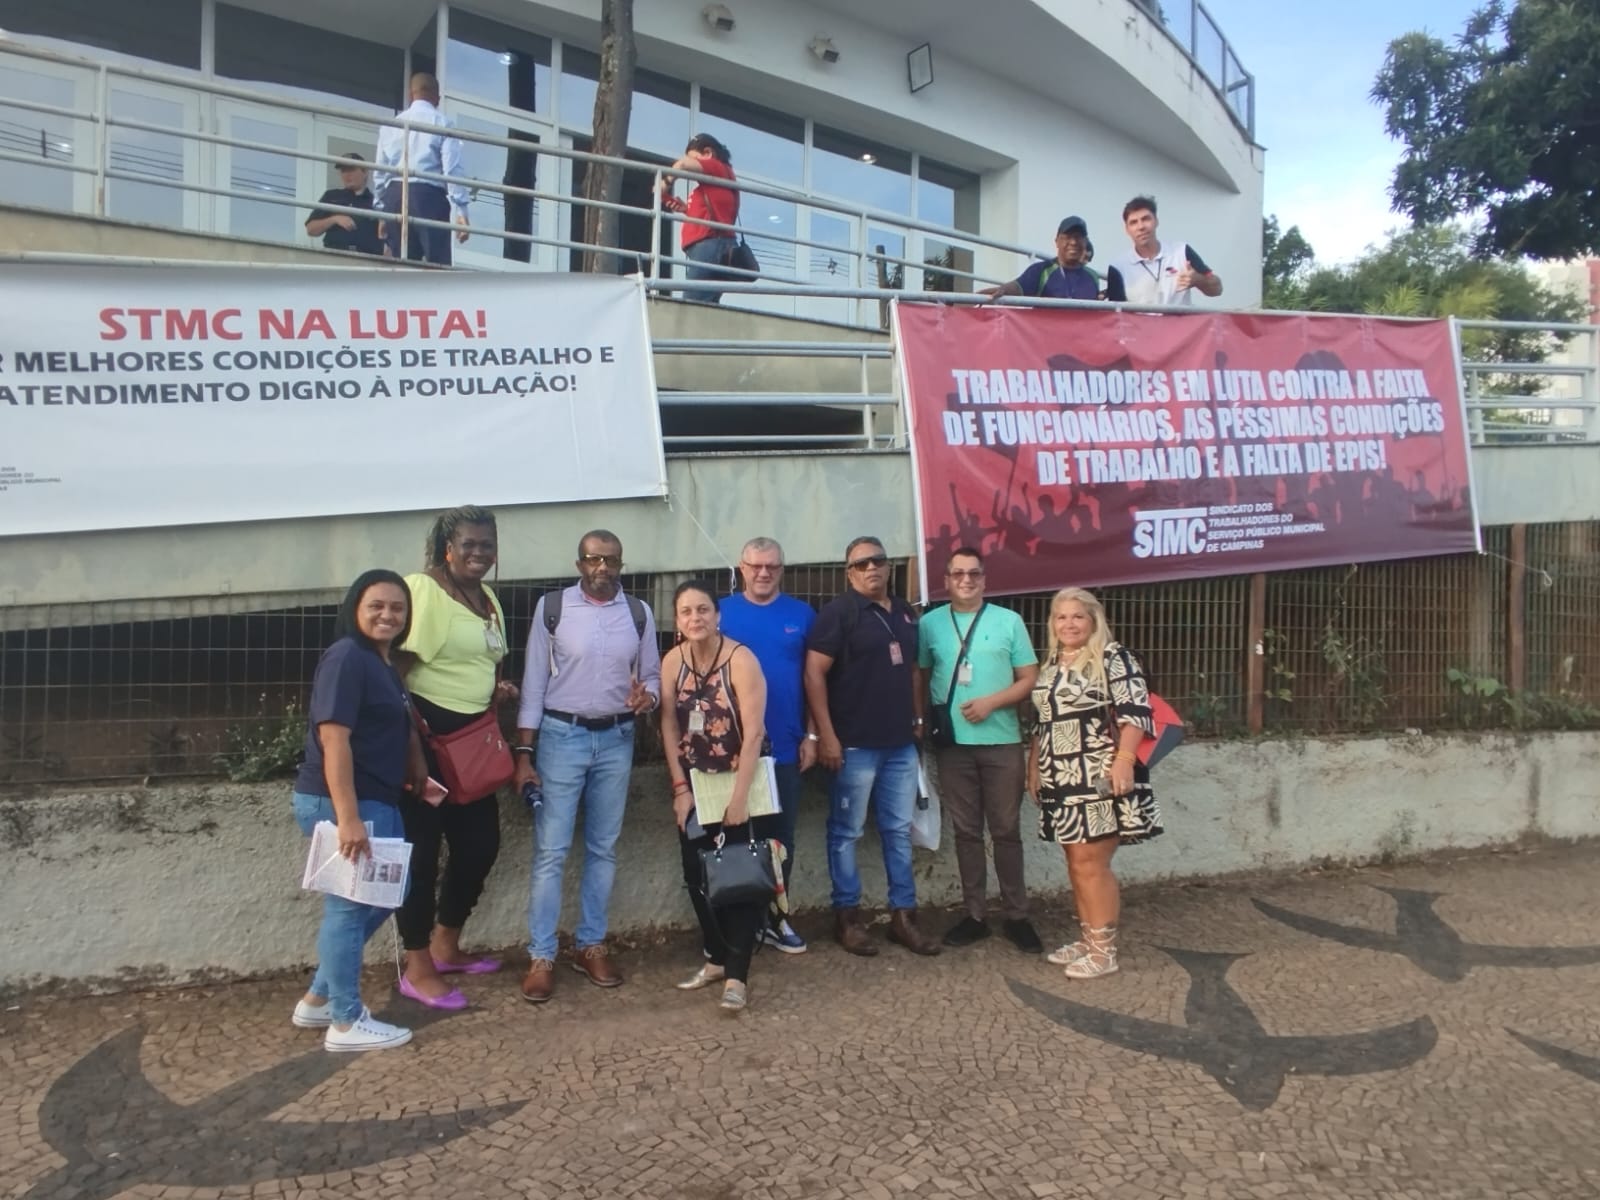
495,643
964,675
697,722
896,655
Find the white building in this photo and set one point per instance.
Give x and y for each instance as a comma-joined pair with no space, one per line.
1023,111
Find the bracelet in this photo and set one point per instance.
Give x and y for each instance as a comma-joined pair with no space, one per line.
680,787
1127,754
524,750
915,721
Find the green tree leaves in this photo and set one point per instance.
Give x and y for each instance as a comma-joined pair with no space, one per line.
1503,123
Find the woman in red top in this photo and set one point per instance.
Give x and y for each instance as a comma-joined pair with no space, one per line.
707,247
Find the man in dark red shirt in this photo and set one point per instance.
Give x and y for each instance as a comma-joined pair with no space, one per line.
707,247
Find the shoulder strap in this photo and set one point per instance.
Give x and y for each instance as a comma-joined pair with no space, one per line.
1044,277
636,608
552,611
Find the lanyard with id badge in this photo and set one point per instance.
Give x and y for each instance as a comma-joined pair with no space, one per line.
897,656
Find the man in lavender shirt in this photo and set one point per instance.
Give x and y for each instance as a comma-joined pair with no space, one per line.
581,690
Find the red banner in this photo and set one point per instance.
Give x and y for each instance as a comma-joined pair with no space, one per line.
1088,447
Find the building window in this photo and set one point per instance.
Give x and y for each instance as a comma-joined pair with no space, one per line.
863,172
659,122
496,63
332,66
162,31
764,142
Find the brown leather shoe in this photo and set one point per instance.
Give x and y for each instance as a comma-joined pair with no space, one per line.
594,962
903,930
849,933
539,982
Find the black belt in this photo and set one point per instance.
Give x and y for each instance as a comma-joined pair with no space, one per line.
590,723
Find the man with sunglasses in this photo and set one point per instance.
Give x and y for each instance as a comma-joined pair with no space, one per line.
583,685
775,627
860,690
975,664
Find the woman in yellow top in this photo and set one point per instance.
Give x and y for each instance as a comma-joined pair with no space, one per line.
450,660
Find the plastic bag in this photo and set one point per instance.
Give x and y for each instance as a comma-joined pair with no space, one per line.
926,818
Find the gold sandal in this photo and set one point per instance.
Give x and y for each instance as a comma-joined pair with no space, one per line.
704,977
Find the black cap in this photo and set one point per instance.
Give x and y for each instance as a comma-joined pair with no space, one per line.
1073,225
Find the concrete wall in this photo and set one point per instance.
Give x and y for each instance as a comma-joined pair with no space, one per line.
200,881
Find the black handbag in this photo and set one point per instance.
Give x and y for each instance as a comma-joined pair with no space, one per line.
941,722
738,873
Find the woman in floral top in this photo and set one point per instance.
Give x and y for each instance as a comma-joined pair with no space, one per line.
717,723
1093,710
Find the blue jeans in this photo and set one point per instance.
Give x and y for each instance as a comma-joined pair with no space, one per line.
887,778
593,765
426,242
346,925
713,252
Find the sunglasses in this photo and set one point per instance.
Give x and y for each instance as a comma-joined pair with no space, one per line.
614,561
761,568
863,564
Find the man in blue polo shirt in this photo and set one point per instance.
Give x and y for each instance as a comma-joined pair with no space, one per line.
977,664
860,690
775,627
1065,277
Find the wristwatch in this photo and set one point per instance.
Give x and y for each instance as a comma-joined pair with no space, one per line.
915,721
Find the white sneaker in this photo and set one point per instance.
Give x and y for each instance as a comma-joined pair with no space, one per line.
366,1032
312,1016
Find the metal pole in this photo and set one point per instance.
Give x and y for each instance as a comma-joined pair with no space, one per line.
655,228
1255,671
102,109
1517,611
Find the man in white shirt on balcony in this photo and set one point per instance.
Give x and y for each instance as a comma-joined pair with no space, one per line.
1155,274
429,199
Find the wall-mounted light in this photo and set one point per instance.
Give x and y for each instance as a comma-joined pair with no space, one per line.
719,17
825,50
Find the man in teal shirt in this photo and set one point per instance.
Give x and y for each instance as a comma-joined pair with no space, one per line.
982,770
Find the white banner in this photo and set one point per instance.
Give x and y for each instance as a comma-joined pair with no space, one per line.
145,396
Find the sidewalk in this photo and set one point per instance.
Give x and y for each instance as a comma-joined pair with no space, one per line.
1427,1032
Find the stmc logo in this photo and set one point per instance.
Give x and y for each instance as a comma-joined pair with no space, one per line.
1166,532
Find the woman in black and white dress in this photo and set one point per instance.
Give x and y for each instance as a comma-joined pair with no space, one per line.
1093,710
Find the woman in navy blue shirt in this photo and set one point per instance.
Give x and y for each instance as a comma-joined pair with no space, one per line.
361,754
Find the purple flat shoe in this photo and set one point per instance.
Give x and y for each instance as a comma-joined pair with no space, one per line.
478,966
451,1001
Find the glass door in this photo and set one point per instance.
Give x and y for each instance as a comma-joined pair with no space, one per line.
258,177
46,145
487,166
166,160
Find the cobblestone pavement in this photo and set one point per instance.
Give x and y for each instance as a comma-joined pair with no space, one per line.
1426,1032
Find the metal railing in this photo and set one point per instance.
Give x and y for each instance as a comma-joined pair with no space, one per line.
1534,403
867,261
1195,31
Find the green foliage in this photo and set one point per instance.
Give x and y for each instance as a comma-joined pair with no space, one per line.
1285,258
1502,123
1484,702
267,746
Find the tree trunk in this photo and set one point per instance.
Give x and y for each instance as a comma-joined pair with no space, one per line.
613,104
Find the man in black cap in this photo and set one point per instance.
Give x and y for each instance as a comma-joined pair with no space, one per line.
1063,278
343,231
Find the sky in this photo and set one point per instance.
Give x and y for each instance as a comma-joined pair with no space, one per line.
1329,161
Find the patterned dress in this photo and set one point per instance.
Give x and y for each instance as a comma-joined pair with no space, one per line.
1076,745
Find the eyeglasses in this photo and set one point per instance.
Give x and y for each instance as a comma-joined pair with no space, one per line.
761,568
614,561
977,574
863,564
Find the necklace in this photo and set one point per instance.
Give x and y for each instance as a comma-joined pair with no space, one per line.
702,677
492,640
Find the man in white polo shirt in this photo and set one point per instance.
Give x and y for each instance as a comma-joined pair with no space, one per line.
1152,273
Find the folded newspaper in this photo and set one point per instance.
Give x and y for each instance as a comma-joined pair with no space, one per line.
714,789
378,878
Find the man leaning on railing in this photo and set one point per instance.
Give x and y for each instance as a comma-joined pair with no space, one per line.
402,153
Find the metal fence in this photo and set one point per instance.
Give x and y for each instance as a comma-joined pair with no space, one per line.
1511,638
